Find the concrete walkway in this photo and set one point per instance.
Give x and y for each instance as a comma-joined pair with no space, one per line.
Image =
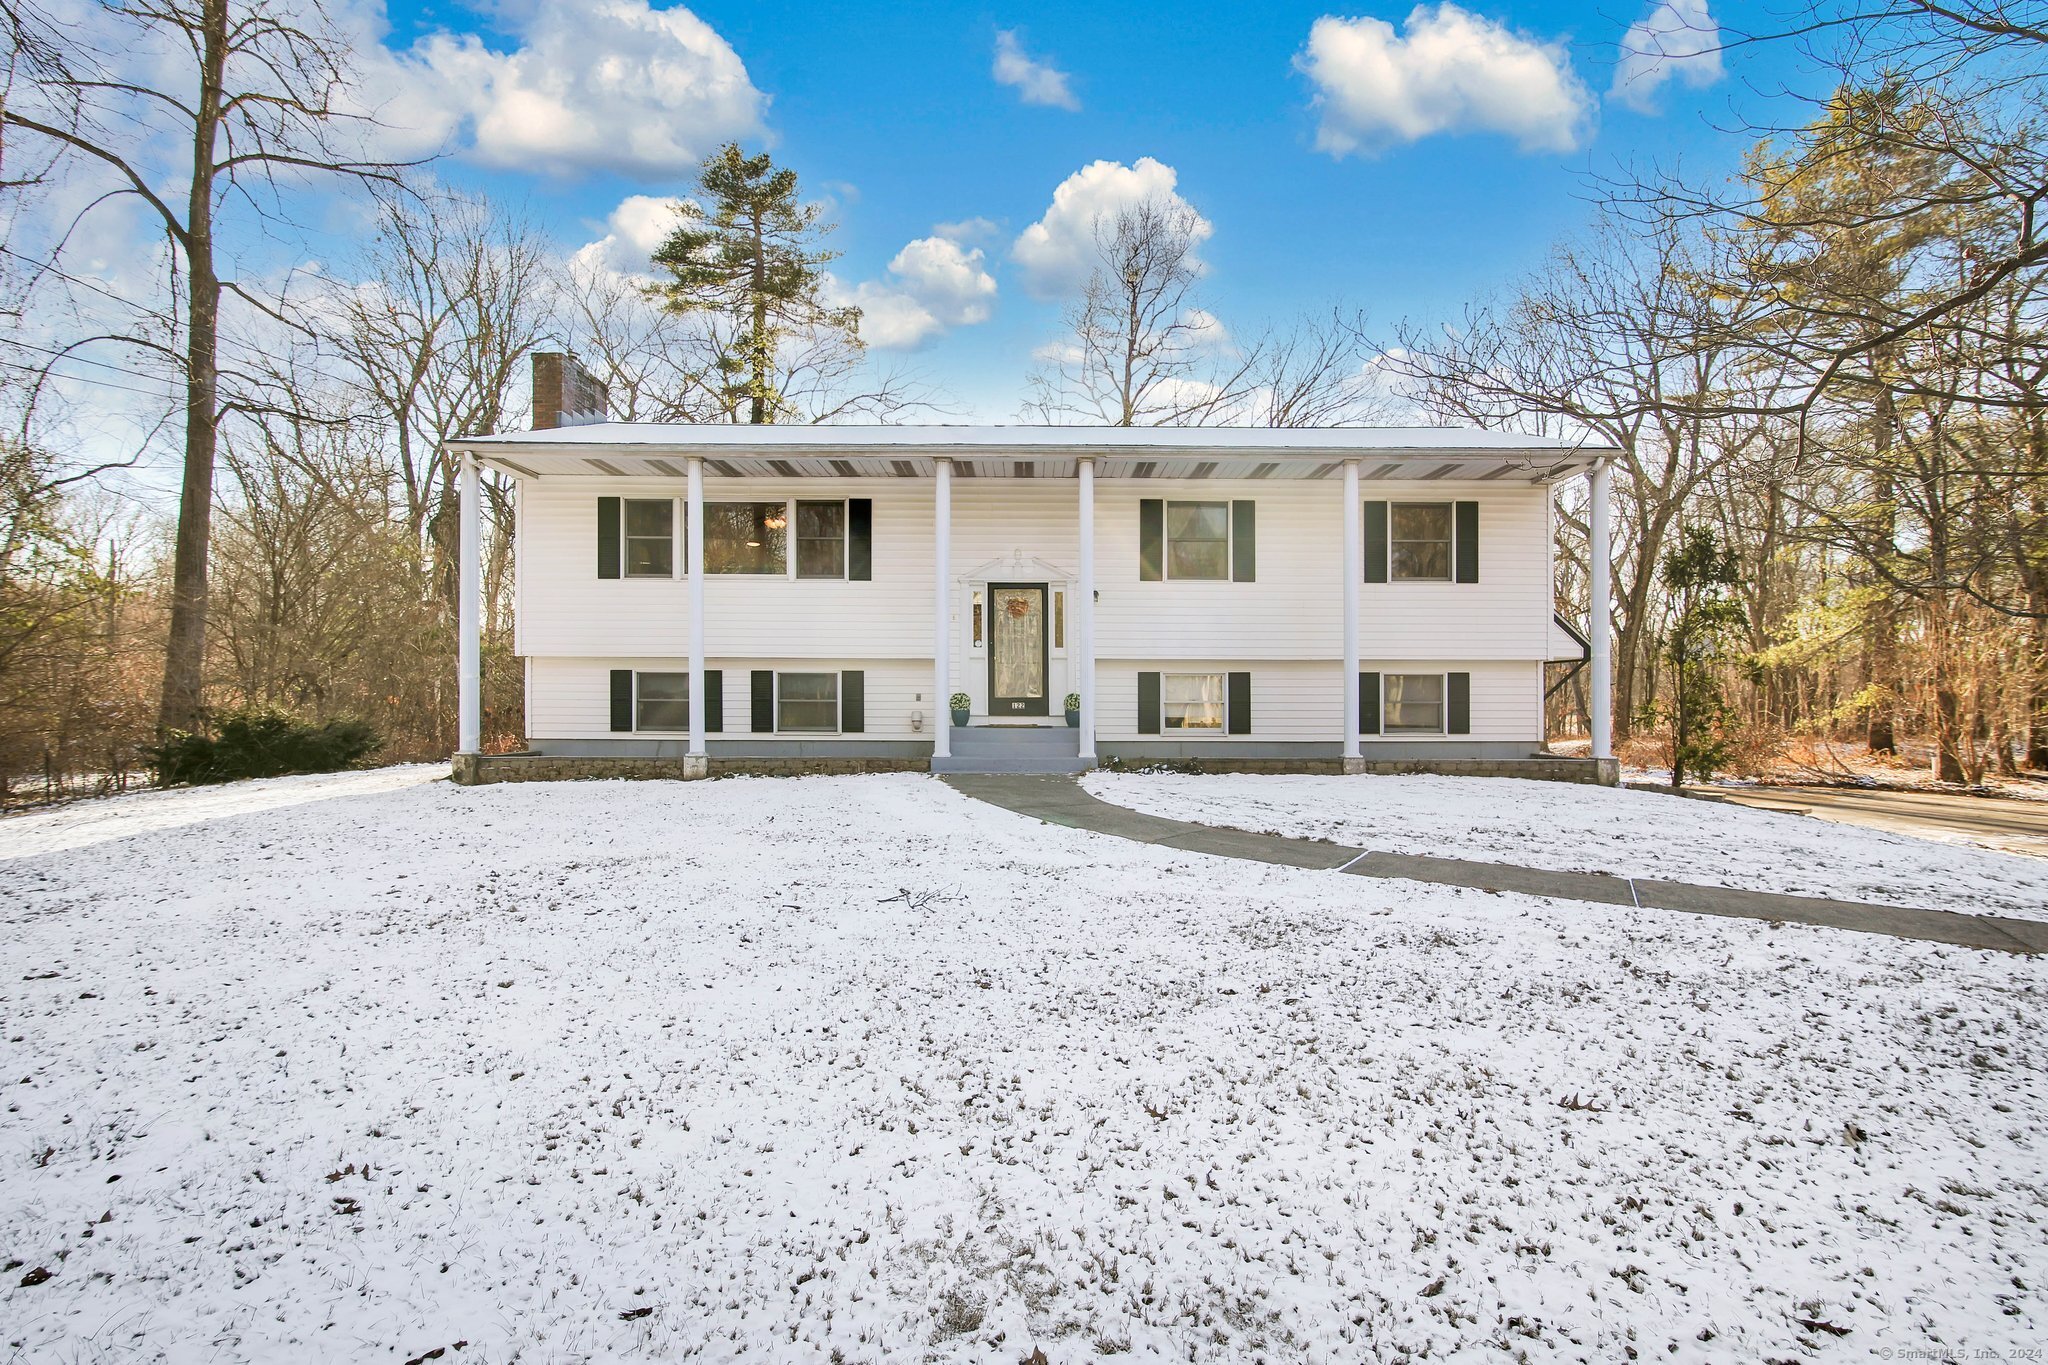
1059,800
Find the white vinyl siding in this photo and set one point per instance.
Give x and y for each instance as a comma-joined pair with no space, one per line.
567,611
571,698
1507,699
1284,628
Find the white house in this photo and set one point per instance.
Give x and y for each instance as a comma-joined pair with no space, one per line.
693,599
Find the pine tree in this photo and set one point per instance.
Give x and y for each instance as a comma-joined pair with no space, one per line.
748,253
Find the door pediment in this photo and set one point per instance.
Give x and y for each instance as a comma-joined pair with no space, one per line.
1017,568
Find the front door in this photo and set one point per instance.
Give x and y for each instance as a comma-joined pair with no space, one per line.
1017,654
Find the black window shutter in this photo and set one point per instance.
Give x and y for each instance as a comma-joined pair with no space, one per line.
1237,709
622,696
1151,539
860,539
764,702
1369,701
1458,704
607,537
1467,542
1244,541
1375,542
853,700
714,700
1148,703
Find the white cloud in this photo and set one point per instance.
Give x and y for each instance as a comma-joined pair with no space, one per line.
966,231
1450,71
639,225
1058,251
933,284
1676,38
1036,82
609,85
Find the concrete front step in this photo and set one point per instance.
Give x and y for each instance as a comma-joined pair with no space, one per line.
1008,763
1034,741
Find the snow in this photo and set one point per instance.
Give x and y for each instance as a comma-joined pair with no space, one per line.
362,1067
854,438
1599,829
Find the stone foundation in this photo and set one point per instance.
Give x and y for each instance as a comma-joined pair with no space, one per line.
473,770
481,769
1604,773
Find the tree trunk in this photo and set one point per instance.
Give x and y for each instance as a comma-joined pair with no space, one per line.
183,705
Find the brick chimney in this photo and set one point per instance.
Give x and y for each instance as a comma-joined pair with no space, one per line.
565,394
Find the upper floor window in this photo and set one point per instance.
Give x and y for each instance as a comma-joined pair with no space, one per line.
1419,540
1198,540
746,537
650,537
821,540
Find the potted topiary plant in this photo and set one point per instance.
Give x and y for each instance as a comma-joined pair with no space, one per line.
963,707
1073,705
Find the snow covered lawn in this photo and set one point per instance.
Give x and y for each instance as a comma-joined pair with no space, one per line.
1599,829
858,1069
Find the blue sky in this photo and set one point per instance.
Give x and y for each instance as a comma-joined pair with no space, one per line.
1400,159
1452,171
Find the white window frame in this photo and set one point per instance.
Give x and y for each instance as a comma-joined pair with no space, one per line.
1222,727
789,539
1450,573
838,699
845,542
1443,704
682,729
678,562
1166,573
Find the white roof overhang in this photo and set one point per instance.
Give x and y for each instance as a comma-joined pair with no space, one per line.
645,450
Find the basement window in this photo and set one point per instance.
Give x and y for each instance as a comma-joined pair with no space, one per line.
807,703
661,701
1192,701
1414,704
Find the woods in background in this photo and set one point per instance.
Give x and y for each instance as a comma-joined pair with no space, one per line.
1825,380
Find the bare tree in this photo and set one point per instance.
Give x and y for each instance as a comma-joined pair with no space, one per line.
1139,351
455,295
1619,341
1319,372
259,99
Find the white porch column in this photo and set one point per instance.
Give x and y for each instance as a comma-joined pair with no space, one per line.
1599,619
942,604
1084,615
468,645
1354,574
693,563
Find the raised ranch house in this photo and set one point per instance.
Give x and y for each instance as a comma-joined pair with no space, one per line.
697,599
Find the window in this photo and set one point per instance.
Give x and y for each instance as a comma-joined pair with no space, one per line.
807,701
1191,701
746,537
821,540
1414,703
1419,536
650,538
661,701
1198,540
